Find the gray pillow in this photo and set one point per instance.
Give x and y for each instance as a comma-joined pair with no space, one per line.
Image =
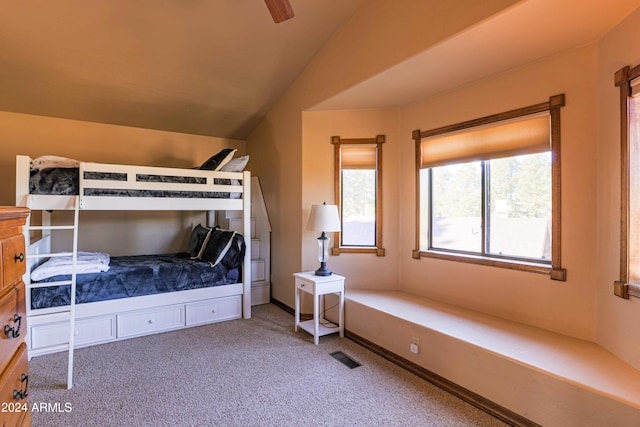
218,160
198,240
236,165
217,245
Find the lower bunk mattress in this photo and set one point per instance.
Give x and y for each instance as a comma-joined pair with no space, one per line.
139,275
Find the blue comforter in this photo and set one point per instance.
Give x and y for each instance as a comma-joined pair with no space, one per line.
131,276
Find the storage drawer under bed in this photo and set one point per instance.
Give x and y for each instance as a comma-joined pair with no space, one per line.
150,321
92,330
44,335
214,310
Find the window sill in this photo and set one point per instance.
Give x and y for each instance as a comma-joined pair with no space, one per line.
357,250
626,290
531,267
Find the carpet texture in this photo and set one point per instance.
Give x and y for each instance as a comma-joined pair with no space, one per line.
254,372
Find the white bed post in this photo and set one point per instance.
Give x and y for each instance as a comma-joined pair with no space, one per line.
72,302
246,224
23,166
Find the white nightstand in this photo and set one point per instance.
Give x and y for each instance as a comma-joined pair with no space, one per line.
318,286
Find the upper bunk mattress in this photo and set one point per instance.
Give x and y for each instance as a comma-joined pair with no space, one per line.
65,182
131,276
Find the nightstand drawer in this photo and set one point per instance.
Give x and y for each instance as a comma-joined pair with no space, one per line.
305,286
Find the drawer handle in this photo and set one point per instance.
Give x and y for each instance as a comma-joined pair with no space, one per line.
12,331
151,321
20,257
24,392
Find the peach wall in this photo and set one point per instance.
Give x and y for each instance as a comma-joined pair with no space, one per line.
276,146
566,307
376,38
115,232
617,317
364,270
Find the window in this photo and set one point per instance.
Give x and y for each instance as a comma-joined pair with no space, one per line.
628,79
358,192
488,190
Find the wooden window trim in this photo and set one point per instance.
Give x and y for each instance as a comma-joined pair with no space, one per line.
337,143
628,250
555,271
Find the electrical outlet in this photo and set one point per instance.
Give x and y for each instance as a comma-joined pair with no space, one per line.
415,349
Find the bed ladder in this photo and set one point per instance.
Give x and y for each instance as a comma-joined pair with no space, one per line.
68,310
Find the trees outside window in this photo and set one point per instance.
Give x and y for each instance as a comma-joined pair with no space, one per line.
358,193
488,190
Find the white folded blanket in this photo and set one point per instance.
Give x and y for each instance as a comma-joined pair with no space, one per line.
44,162
87,262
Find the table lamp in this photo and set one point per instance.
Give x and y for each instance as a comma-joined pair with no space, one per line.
323,218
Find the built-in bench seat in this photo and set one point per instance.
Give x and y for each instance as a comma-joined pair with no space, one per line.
524,375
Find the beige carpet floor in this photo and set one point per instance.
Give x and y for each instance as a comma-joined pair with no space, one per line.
255,372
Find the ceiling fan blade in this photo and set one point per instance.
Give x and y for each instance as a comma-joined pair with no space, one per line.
280,10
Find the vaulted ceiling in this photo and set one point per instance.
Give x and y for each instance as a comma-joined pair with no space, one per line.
208,67
523,33
215,67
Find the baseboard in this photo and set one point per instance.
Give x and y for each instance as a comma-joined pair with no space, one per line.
482,403
291,311
500,412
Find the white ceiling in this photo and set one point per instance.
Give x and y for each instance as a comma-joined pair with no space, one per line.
215,67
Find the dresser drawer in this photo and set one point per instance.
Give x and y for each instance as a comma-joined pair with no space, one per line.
214,310
26,419
13,259
150,321
13,326
14,387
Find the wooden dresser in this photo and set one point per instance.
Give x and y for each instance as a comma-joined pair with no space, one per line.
14,372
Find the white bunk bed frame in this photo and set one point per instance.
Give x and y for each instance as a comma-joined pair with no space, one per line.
78,325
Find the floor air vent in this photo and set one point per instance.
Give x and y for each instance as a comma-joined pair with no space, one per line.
341,357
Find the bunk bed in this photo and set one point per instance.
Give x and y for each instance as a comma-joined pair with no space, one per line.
146,294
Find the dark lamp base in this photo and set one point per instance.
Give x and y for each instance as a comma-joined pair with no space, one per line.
323,270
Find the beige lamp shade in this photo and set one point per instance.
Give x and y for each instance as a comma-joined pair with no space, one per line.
324,218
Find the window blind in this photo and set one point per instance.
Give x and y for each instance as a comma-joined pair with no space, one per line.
523,135
358,156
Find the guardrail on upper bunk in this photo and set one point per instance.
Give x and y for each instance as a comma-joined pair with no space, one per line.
104,185
126,187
